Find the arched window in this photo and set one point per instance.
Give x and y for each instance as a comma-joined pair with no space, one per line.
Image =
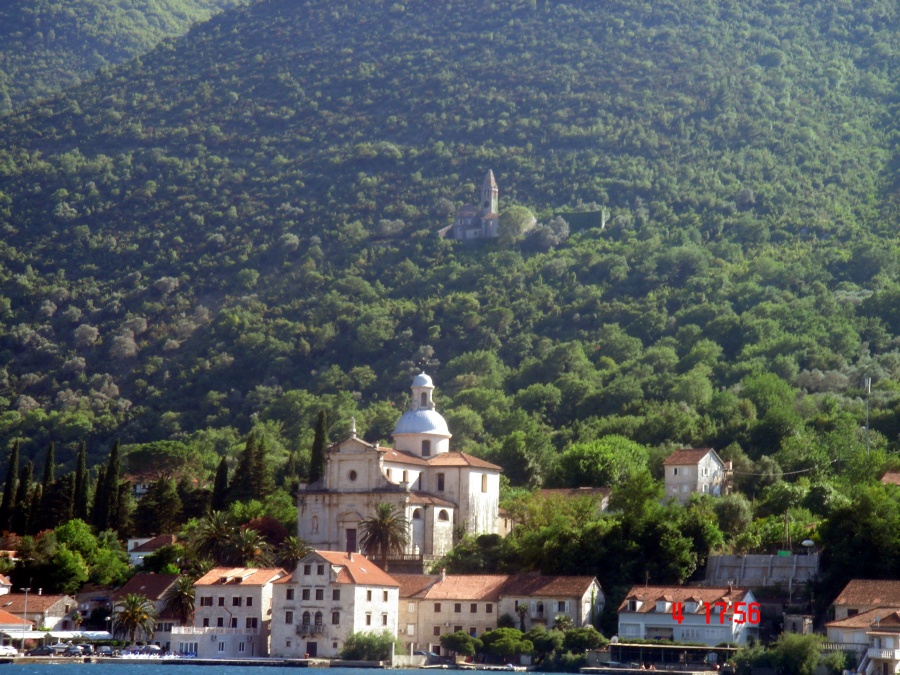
426,448
540,609
318,618
315,524
417,514
424,398
305,618
443,515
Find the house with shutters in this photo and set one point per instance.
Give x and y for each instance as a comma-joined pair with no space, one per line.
232,614
329,596
689,470
432,605
439,491
45,611
710,615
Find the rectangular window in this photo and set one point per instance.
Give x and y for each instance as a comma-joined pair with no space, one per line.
206,622
221,645
675,471
336,594
437,630
234,622
489,608
384,619
484,483
560,606
473,608
320,594
320,569
410,629
456,629
222,601
457,607
384,596
440,482
307,569
304,594
411,607
220,622
236,601
240,646
206,601
289,617
252,622
473,631
249,602
437,607
290,594
368,619
335,618
368,596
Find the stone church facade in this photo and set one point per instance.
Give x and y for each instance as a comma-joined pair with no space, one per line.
478,223
438,490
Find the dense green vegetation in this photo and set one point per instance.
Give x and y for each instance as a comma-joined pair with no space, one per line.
238,230
49,45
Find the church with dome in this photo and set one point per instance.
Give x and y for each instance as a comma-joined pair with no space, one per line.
441,492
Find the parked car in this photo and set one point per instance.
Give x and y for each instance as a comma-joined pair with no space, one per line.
41,651
87,650
8,650
73,650
106,650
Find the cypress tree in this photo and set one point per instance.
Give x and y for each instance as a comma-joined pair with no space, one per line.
34,509
241,486
113,469
56,504
262,480
49,467
22,506
9,488
317,461
219,499
80,505
100,509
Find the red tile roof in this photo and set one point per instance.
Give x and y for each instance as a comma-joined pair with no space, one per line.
412,584
356,569
461,459
709,595
7,619
466,587
38,604
538,585
401,457
891,478
151,586
155,544
240,576
863,619
870,592
429,500
687,456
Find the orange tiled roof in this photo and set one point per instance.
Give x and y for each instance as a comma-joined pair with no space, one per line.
891,478
240,576
429,500
461,459
412,584
687,456
155,544
151,586
7,619
15,602
863,619
401,457
539,585
466,587
357,569
872,592
709,595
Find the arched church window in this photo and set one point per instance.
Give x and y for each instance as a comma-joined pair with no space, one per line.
305,618
426,448
424,398
318,618
443,515
417,514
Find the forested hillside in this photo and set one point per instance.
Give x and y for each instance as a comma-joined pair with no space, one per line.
239,229
48,45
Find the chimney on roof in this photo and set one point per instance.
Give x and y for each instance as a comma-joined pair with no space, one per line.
730,587
40,591
443,574
350,555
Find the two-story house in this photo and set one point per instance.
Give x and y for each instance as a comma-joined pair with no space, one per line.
861,595
687,614
47,612
692,470
540,599
232,614
329,596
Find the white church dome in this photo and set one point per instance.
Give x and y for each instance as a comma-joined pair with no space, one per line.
422,380
422,421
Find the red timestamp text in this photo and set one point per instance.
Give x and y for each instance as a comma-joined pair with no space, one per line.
743,612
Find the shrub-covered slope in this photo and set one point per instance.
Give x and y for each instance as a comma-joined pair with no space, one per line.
243,222
48,45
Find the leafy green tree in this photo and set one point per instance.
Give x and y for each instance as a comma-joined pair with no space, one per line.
514,224
796,654
581,639
159,510
134,618
9,489
460,643
734,514
385,532
606,462
318,461
506,643
368,646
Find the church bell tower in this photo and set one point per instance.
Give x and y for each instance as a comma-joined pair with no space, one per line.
489,195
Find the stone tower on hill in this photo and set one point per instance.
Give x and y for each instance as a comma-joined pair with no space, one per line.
481,223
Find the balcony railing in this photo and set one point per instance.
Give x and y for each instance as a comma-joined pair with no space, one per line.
212,630
885,654
310,629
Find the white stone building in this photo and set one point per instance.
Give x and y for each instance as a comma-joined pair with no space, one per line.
232,614
436,489
687,614
329,596
692,470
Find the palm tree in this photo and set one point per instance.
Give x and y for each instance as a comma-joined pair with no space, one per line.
385,532
213,537
292,551
134,616
249,549
179,599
